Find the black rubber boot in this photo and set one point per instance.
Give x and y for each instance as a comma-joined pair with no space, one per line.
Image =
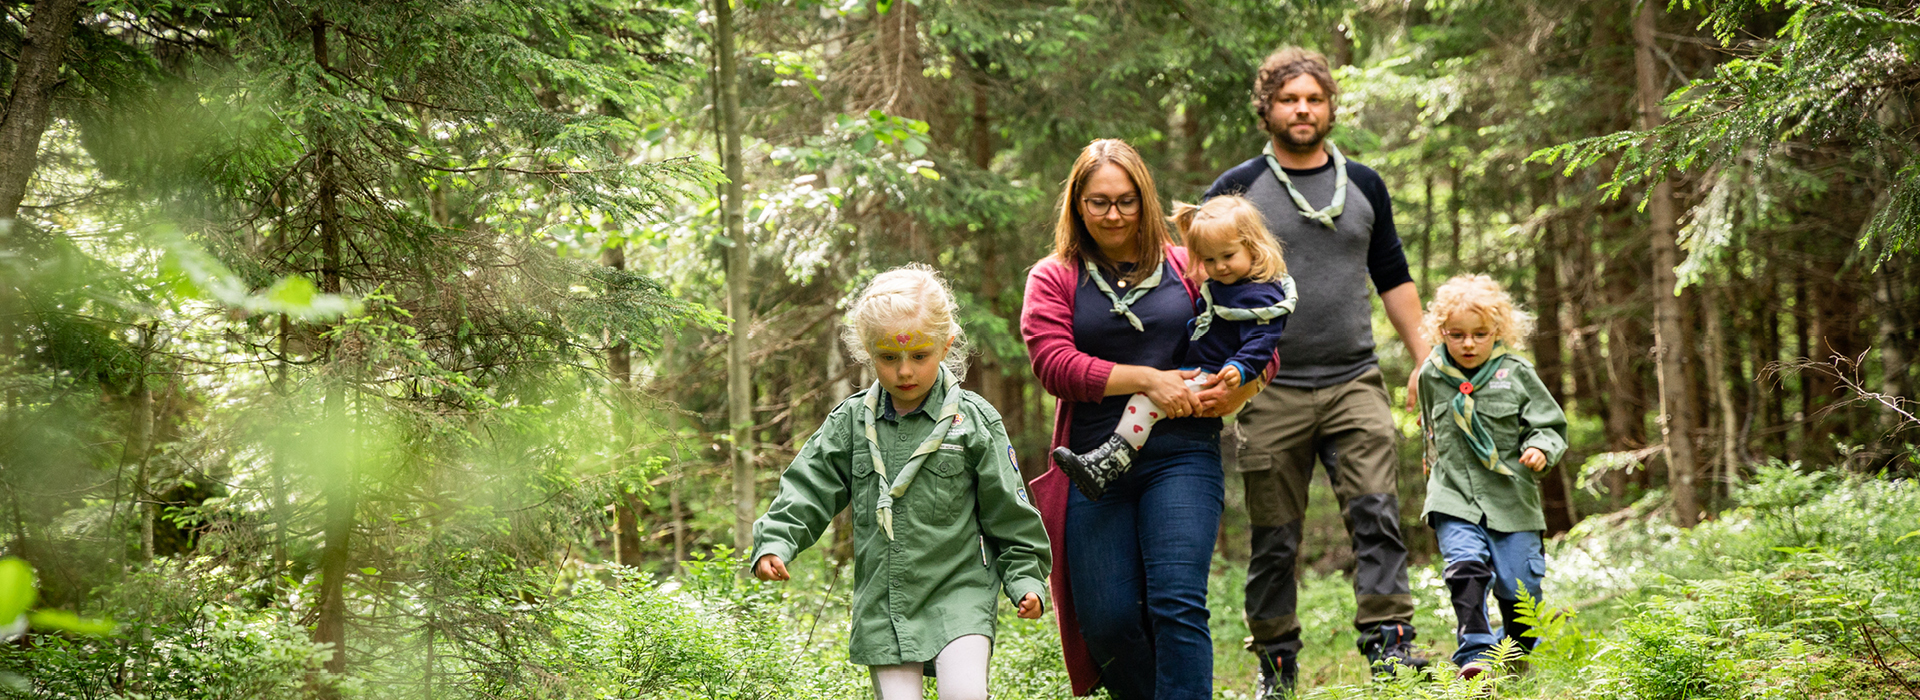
1092,471
1512,627
1279,672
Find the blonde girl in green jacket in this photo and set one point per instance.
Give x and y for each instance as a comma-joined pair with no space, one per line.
942,524
1490,424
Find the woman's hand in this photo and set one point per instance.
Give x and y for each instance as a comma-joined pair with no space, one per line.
1221,400
770,568
1030,607
1168,390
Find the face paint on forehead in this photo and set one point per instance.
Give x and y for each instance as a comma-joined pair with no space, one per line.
903,341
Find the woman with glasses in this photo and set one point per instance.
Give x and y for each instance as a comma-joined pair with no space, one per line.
1106,317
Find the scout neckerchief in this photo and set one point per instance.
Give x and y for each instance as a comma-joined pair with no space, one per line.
1264,314
1479,438
1324,216
943,424
1121,303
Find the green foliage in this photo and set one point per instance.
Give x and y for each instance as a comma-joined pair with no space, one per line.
1826,77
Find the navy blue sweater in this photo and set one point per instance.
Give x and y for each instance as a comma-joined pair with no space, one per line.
1246,344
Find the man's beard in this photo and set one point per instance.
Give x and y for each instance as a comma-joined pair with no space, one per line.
1285,138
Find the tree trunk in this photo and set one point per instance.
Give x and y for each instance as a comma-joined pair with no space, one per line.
1722,394
1546,350
1453,210
338,487
626,522
1887,294
36,76
1669,349
1426,235
739,375
1799,448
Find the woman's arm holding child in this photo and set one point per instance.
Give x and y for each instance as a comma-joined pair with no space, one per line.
815,486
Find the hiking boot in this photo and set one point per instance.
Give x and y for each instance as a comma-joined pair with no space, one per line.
1092,471
1390,644
1278,674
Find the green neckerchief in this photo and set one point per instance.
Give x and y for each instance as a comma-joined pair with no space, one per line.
943,424
1324,216
1121,304
1264,315
1479,438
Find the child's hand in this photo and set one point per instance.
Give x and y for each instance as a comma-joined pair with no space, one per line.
1534,459
770,568
1030,607
1229,377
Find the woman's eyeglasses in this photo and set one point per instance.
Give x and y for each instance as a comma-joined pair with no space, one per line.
1098,206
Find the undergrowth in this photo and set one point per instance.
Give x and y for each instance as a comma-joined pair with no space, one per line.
1809,589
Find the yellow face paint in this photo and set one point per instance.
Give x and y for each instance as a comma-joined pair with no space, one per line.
903,342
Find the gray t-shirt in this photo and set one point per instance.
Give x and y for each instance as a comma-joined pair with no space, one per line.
1329,338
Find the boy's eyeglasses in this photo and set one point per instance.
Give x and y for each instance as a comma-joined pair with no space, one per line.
1098,206
1457,336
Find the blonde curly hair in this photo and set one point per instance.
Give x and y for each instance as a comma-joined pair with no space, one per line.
909,297
1481,295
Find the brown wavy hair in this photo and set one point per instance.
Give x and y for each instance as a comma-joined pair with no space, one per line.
1284,65
1072,241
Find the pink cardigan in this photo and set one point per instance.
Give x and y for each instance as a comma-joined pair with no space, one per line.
1046,322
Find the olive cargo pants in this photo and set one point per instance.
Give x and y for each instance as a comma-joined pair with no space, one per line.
1282,432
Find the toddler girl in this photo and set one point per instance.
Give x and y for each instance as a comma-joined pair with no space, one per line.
1242,308
1485,415
941,519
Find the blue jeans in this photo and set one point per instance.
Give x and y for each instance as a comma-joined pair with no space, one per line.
1138,560
1515,558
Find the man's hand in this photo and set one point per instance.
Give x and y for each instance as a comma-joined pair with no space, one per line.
1533,459
770,568
1402,305
1220,401
1030,607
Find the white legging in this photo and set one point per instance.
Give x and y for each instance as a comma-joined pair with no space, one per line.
960,671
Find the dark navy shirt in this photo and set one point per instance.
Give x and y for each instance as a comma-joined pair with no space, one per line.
1247,343
1100,332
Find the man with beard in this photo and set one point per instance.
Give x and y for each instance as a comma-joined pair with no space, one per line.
1329,400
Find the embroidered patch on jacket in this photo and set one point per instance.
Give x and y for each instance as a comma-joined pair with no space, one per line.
1499,384
1021,491
1011,461
953,447
1501,373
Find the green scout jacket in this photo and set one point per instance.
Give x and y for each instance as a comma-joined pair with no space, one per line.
964,531
1520,414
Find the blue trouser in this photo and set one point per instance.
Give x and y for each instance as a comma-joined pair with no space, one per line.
1138,560
1479,561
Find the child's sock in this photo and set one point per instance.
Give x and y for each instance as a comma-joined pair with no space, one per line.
1136,423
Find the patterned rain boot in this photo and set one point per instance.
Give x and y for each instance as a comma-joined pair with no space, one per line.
1092,471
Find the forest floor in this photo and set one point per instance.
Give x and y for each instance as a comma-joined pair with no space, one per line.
1810,589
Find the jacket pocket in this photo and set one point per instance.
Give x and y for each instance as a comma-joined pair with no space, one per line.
1503,423
945,483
